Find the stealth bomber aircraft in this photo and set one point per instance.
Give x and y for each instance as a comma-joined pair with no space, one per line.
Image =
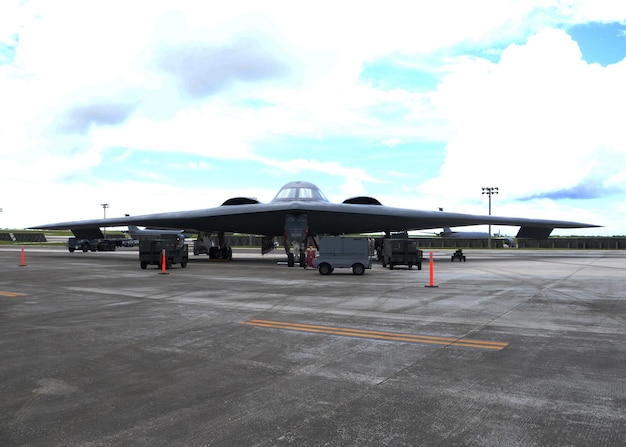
300,210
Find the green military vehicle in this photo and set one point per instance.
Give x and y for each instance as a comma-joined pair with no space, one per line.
401,251
170,247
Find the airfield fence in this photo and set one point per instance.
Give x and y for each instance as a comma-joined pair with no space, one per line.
576,243
432,242
565,243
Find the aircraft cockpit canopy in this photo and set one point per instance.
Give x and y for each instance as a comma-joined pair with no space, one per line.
300,191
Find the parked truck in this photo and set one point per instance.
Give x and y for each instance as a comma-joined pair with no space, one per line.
86,245
343,252
402,251
151,252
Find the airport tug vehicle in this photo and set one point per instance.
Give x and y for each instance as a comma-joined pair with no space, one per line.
458,255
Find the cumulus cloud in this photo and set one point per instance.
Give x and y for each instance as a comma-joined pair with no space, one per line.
513,100
201,70
80,118
533,122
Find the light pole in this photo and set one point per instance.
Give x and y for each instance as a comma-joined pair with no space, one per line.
104,208
490,190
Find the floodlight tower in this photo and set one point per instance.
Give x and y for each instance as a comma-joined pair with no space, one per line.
490,190
104,208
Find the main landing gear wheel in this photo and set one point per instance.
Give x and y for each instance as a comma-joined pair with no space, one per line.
302,259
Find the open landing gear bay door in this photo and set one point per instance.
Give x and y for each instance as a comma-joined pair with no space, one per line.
267,244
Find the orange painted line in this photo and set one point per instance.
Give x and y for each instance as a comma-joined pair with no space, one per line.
379,335
383,333
11,294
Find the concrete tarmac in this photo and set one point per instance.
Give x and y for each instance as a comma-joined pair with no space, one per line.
513,348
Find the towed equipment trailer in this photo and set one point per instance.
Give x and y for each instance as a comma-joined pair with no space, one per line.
343,252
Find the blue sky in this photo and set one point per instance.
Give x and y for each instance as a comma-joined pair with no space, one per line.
152,106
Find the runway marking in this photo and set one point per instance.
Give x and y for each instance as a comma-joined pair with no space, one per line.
11,294
379,335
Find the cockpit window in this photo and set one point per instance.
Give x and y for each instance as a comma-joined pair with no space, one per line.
287,194
303,192
306,193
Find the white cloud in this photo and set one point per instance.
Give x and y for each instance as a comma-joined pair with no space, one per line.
531,123
90,76
391,142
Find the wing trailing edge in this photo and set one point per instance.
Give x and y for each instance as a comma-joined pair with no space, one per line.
534,233
88,233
